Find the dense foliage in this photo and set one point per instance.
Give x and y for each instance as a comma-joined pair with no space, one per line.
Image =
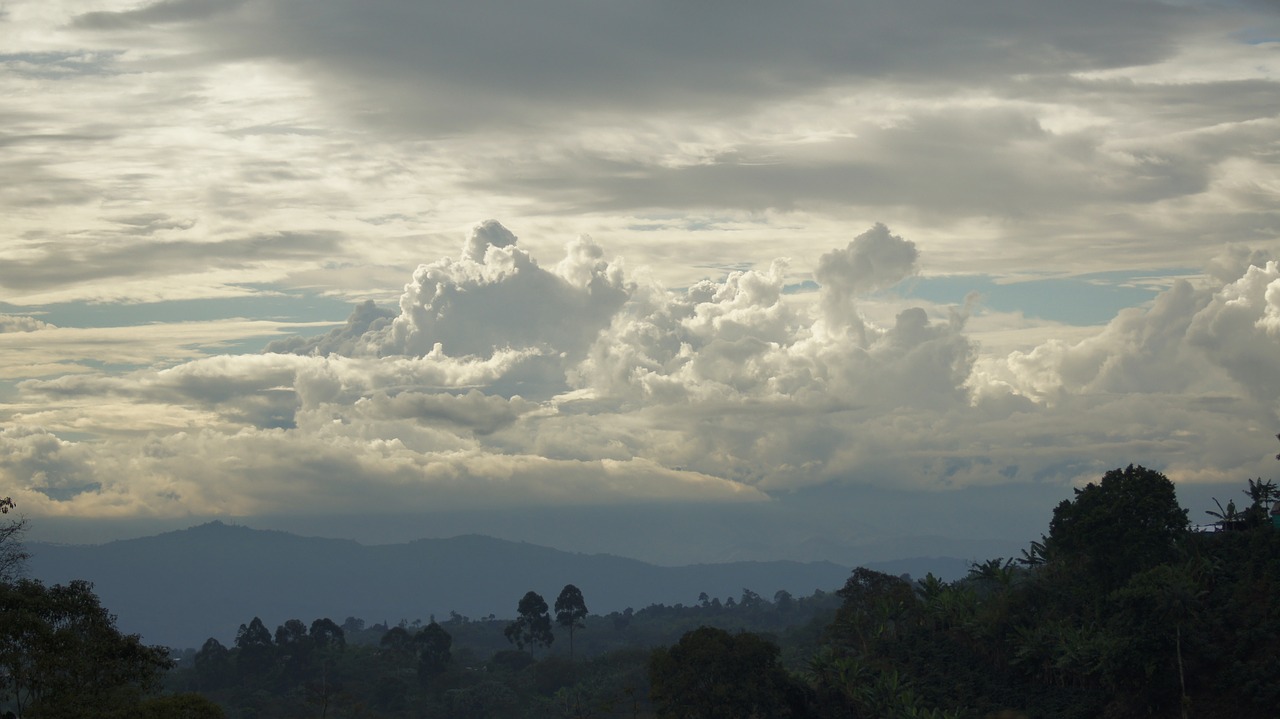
1121,611
61,655
466,668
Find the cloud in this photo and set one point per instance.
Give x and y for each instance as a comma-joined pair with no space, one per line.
345,340
544,355
276,471
160,13
50,350
1239,331
507,64
728,390
58,263
493,297
19,323
38,461
874,260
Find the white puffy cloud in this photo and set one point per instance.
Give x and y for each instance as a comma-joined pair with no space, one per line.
493,297
1239,331
1190,341
630,392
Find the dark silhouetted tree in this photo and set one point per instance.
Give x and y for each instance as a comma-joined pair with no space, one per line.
327,635
435,654
257,652
532,626
571,609
1127,523
213,666
62,656
711,673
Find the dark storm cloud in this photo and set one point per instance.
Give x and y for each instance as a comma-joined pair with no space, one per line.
456,64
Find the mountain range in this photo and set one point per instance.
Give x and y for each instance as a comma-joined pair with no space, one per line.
179,588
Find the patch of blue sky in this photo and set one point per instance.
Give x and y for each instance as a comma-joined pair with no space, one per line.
255,345
800,288
53,65
281,307
1258,34
1080,300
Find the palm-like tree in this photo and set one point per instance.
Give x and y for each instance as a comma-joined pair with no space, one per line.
1228,517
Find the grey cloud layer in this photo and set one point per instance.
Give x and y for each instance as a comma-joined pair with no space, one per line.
507,63
1044,129
86,259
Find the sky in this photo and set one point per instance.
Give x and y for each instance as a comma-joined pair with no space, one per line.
680,281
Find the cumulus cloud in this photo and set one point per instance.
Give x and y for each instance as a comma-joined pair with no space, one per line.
345,340
500,382
1219,339
1239,331
494,297
873,260
35,460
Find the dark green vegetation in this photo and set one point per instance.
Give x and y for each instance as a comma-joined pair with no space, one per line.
62,657
1120,610
462,667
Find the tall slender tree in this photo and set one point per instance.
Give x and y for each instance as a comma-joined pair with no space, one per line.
571,609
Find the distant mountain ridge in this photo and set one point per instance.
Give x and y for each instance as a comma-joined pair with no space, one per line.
179,588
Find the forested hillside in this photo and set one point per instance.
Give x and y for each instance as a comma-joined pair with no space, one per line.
181,587
1120,610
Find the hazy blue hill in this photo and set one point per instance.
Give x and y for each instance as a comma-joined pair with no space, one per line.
178,588
181,587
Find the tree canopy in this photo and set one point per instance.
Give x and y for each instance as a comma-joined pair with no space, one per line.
571,609
532,626
61,654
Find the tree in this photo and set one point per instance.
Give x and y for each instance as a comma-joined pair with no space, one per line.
326,634
711,673
532,626
571,609
874,603
1228,517
256,650
291,633
435,656
213,665
1127,523
62,656
294,649
397,645
1261,496
13,557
